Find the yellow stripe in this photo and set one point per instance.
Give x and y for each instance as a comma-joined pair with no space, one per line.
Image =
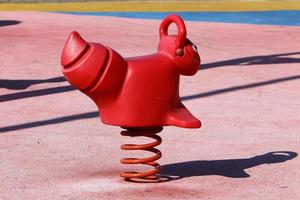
161,6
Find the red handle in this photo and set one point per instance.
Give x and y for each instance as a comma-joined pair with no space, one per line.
163,29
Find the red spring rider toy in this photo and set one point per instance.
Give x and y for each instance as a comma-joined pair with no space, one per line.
139,94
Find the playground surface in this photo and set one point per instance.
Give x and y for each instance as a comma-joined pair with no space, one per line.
246,94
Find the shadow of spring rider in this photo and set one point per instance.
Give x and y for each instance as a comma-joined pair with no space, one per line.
139,94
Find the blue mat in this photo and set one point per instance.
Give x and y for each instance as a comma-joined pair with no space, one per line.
286,18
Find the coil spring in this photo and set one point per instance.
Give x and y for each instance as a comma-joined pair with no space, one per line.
150,175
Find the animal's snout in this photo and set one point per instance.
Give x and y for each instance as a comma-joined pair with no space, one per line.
83,63
74,48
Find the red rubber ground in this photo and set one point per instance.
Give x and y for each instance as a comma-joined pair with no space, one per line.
53,146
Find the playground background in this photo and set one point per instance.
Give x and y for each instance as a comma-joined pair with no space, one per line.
246,93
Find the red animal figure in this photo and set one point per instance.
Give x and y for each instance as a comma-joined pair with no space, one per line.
138,92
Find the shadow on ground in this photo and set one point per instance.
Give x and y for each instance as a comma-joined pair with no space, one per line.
255,60
23,84
232,168
9,22
50,121
240,87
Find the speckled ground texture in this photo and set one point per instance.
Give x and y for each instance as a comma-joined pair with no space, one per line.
247,95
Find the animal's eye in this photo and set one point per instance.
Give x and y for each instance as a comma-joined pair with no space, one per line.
195,48
179,52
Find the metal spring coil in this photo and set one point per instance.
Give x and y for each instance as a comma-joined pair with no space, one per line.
151,133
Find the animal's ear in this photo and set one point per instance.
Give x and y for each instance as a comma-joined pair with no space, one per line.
163,30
